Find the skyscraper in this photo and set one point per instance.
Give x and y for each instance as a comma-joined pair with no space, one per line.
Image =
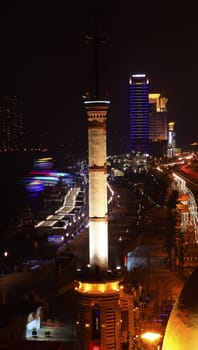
139,113
171,139
158,124
11,123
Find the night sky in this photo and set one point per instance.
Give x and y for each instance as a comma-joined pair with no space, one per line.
45,59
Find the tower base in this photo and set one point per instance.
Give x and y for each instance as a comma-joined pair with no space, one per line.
99,318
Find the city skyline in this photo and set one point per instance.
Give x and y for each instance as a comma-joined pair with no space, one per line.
46,60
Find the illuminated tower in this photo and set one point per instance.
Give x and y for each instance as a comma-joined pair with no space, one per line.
139,113
98,230
98,290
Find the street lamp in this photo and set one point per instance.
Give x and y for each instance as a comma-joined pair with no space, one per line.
151,339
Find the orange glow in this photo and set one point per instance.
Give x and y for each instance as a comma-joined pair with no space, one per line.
94,345
171,125
151,336
107,287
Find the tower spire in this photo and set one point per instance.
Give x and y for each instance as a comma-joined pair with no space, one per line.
97,39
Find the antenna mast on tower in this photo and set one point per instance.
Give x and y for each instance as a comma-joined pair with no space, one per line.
97,39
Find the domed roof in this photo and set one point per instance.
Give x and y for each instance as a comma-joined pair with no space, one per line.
182,328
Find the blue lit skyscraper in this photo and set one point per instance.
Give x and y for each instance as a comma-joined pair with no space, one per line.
139,113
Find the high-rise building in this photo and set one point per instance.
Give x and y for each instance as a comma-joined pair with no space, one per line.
171,139
139,113
158,124
11,123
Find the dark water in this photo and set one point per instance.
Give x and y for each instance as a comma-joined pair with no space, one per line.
13,196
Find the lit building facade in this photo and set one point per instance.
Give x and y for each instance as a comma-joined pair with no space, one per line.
171,139
99,315
139,113
11,123
158,124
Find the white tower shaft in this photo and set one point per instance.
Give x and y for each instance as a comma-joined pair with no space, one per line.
98,223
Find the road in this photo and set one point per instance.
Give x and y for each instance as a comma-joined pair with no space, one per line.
191,179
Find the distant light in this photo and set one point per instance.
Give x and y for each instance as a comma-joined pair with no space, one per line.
96,101
138,75
55,239
151,336
46,178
